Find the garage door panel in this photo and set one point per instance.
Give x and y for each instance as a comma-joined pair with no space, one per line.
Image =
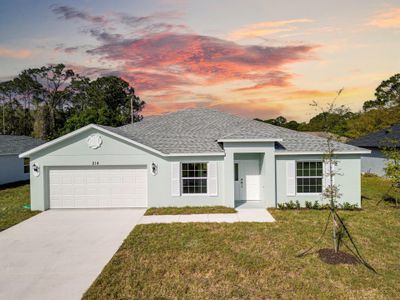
96,188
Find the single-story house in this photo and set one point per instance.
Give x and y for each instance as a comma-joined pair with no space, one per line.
13,168
193,157
376,142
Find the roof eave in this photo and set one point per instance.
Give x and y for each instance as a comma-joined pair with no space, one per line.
321,152
249,140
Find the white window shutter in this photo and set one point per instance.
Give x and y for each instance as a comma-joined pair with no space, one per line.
291,178
212,179
175,179
327,180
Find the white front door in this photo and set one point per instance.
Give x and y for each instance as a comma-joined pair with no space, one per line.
247,180
98,187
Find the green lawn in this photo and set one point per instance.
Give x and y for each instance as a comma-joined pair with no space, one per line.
12,199
256,260
189,210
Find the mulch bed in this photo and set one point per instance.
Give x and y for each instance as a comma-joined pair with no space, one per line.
329,256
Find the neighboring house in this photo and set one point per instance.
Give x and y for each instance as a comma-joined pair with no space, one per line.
195,157
13,168
376,142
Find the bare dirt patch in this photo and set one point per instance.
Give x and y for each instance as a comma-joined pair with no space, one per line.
331,257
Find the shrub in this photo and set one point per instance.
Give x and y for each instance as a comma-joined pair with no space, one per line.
316,205
282,205
308,204
369,174
348,206
289,205
324,206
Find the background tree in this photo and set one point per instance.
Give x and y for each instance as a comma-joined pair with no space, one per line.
6,96
282,122
387,94
104,101
392,168
26,90
335,120
51,100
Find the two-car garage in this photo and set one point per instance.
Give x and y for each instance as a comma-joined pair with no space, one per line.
98,187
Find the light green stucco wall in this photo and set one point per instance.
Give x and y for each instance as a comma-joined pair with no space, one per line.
348,181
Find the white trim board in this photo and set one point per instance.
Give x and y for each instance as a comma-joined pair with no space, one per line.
321,152
249,140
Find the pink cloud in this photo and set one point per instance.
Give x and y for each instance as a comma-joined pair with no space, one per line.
168,64
15,53
213,60
387,19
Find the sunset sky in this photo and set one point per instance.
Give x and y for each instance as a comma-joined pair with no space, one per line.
255,58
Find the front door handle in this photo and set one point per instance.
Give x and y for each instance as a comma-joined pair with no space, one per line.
241,182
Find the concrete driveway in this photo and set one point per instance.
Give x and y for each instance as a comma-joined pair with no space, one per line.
59,253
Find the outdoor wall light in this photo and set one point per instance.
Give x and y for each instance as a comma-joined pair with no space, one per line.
154,168
35,170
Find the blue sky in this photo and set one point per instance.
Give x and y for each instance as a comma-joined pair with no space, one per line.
254,58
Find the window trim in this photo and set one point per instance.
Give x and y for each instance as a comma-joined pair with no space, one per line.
322,177
27,165
181,178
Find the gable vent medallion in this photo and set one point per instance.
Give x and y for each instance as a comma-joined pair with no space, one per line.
94,141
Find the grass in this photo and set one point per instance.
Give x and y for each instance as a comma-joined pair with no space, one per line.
256,260
12,200
187,210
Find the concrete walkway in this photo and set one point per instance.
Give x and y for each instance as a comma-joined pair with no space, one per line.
59,253
242,215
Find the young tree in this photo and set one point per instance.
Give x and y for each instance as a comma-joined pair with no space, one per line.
331,191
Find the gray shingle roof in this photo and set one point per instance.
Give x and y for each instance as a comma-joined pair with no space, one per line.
379,139
197,131
17,144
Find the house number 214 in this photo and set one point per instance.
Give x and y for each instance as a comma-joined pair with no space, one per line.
95,163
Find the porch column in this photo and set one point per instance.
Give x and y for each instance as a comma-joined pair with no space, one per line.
269,183
229,178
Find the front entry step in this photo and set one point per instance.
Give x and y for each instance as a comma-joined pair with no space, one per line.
249,204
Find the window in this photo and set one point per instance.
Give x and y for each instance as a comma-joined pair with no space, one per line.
309,176
236,172
26,165
194,178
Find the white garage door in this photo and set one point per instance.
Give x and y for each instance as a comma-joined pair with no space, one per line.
98,187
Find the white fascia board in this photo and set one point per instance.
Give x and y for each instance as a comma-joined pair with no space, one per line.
80,130
196,154
248,140
321,152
